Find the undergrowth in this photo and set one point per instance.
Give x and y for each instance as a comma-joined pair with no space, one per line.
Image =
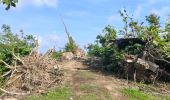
137,95
58,94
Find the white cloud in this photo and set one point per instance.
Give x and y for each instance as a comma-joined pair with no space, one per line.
138,11
38,3
163,12
48,41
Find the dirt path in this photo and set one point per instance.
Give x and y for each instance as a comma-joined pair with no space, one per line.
83,83
88,85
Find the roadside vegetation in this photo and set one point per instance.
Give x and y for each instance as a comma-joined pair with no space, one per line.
118,51
10,43
62,93
134,94
147,41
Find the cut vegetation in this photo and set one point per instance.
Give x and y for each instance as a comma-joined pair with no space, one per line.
134,67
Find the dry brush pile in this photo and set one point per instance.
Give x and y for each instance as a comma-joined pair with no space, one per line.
31,74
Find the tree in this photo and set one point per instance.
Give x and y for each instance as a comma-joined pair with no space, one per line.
150,42
10,43
103,48
131,29
71,45
9,3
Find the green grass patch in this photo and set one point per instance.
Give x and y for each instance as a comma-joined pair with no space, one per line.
164,98
86,75
150,88
93,92
137,95
86,87
58,94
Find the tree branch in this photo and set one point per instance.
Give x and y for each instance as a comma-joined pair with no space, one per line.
17,58
7,65
13,93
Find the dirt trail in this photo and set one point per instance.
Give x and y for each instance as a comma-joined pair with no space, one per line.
77,75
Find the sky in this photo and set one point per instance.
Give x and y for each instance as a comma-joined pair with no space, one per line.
85,19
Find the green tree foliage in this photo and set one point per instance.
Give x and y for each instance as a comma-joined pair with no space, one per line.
95,50
156,36
131,29
71,45
105,50
9,3
19,44
57,54
157,40
166,40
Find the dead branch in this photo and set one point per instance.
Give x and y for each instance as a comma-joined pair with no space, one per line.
158,58
7,65
37,72
17,58
13,93
14,69
7,73
35,49
10,82
68,34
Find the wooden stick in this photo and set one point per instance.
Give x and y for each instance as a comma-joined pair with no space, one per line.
14,69
13,93
7,65
7,73
159,59
17,57
14,79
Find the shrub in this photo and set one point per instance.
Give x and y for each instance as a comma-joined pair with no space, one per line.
71,46
105,50
19,44
57,55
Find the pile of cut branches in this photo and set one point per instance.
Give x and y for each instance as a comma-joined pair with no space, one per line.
31,74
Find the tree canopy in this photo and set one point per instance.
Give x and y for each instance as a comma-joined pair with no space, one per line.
9,3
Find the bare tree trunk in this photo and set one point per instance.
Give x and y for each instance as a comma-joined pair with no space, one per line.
134,75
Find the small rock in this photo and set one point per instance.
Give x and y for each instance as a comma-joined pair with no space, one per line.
70,99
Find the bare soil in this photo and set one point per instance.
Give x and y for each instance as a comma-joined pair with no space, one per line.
78,74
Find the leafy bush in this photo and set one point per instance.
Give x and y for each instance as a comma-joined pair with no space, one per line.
62,93
10,42
13,43
156,41
153,34
71,46
106,51
137,95
134,49
95,50
57,55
